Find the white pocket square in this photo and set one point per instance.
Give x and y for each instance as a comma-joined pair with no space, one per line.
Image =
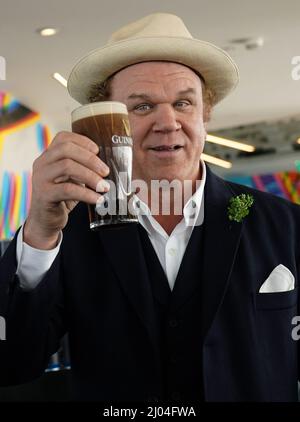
280,280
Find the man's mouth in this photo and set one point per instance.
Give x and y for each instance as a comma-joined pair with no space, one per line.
166,148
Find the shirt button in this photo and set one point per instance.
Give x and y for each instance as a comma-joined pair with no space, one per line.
172,251
173,323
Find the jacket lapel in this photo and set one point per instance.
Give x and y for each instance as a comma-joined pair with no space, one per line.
220,245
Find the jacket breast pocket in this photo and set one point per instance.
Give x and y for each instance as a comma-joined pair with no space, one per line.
274,313
278,300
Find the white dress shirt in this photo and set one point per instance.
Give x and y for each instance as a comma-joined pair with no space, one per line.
34,263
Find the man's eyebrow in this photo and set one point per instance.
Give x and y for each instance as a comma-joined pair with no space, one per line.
139,97
147,97
187,91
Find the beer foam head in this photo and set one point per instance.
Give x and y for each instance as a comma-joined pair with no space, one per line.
101,107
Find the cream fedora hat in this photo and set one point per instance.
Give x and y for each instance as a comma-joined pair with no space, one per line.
162,37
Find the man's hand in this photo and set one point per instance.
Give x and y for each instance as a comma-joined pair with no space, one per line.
67,172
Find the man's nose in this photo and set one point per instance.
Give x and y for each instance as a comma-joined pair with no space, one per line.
166,119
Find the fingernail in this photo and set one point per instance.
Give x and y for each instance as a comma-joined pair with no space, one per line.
102,186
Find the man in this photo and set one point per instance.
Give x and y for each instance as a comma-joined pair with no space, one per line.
162,310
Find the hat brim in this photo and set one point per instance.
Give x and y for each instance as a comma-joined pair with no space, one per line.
215,65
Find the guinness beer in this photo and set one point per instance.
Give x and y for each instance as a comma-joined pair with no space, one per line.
107,124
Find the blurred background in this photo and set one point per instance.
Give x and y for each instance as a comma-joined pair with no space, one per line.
254,134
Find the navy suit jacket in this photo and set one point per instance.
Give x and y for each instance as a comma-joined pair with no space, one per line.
98,290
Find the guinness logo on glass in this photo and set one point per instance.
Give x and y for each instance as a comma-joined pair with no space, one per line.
125,140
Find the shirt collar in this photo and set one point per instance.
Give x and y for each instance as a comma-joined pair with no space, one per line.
193,211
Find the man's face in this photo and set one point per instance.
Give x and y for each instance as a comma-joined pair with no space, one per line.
164,102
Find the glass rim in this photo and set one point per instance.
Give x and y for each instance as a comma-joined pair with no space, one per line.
98,104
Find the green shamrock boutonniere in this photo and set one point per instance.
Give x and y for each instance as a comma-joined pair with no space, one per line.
239,207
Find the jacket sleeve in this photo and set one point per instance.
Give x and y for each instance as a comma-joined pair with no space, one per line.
34,321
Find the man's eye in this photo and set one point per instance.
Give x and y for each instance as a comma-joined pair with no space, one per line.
182,104
143,107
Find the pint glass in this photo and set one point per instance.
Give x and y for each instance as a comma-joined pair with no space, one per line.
106,123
